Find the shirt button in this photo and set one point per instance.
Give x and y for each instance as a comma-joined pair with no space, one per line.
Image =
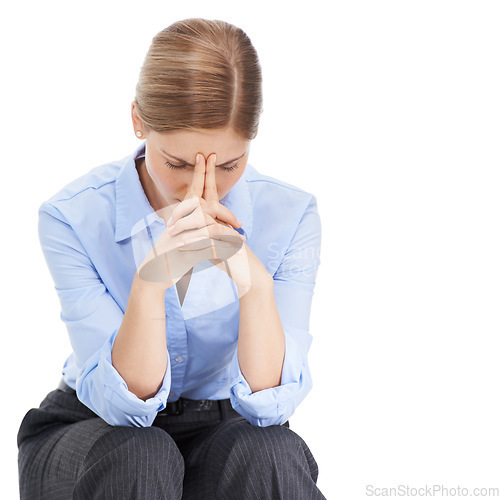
179,359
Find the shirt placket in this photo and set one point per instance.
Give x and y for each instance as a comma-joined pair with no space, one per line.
176,342
175,325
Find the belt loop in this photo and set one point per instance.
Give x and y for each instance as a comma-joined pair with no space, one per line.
174,407
224,410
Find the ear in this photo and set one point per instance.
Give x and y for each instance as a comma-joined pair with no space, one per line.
135,118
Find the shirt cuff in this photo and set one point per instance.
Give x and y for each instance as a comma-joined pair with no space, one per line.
275,405
105,392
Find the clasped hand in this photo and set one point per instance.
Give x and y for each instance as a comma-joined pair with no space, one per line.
199,229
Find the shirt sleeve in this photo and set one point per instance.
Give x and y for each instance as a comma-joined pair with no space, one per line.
294,283
93,318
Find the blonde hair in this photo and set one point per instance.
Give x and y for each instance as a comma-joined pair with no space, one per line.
200,74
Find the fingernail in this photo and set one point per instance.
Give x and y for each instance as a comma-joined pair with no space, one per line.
171,229
239,222
243,237
198,156
180,244
169,221
215,158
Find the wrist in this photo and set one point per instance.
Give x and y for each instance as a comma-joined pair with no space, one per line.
261,287
261,280
148,287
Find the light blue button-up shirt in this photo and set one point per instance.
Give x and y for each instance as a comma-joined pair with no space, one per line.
95,232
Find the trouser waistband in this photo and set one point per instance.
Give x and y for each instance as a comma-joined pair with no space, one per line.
179,406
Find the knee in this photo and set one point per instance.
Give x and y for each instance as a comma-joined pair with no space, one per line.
275,444
137,461
273,449
156,445
144,447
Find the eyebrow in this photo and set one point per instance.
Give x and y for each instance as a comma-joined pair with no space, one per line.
191,165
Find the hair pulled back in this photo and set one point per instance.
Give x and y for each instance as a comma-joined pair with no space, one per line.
200,74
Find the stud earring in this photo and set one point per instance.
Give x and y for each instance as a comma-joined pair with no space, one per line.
138,133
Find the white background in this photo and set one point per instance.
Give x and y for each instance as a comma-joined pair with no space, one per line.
389,112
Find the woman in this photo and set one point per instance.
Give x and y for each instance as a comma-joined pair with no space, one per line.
180,391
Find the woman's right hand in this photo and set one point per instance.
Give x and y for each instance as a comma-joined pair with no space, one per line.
202,236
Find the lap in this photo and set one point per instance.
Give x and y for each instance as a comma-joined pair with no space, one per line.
62,439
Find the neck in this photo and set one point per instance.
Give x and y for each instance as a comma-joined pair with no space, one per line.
154,197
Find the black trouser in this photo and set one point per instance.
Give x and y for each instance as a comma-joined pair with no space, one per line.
68,452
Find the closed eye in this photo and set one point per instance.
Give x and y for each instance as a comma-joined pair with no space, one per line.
180,167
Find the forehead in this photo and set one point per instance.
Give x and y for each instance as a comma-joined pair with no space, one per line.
224,142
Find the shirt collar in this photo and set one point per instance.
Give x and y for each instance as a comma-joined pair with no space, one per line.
134,212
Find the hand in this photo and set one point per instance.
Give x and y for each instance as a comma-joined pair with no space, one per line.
200,201
193,234
242,266
230,258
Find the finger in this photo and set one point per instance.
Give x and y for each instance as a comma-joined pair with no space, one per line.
222,245
215,230
196,220
198,180
217,211
183,208
210,193
224,214
186,234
